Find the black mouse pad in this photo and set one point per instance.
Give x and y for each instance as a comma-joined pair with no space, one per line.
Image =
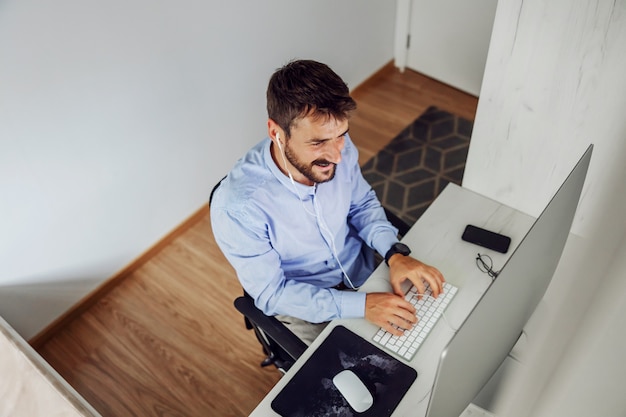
311,391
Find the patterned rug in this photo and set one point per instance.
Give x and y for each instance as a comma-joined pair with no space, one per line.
417,164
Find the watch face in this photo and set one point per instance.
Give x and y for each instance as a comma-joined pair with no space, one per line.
400,248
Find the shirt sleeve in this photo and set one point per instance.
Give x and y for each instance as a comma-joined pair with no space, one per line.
367,215
243,238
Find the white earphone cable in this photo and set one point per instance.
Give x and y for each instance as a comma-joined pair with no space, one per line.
319,219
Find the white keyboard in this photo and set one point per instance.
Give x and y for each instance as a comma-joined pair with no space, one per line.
429,311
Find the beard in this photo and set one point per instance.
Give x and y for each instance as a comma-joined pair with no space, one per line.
307,169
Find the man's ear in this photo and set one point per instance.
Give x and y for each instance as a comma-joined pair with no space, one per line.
274,131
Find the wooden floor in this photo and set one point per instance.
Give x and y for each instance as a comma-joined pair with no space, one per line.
167,341
391,99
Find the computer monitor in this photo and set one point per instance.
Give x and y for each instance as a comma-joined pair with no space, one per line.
491,330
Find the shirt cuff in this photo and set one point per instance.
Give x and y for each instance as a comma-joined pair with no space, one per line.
384,243
352,304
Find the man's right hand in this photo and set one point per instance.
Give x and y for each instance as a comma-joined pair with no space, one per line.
387,309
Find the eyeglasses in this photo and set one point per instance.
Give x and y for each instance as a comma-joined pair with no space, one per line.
485,264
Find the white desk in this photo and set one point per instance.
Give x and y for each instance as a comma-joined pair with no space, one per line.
436,240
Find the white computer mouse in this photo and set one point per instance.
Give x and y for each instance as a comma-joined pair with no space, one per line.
353,390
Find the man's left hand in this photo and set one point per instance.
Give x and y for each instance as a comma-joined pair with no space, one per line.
403,267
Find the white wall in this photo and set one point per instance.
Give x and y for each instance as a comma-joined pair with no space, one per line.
554,82
117,117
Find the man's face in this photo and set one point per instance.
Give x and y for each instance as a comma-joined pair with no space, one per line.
314,149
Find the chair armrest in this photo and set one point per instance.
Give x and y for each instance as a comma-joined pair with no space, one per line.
274,329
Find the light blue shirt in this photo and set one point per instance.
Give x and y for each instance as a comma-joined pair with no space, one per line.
284,238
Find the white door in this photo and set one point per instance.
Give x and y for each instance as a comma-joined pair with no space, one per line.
448,39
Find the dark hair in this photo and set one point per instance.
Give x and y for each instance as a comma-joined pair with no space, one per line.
306,87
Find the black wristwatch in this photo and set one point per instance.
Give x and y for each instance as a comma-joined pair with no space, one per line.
400,248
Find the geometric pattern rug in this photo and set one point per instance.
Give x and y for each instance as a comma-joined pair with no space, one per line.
417,164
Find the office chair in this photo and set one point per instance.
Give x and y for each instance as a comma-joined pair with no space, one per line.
280,345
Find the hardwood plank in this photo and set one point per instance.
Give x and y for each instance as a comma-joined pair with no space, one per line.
166,339
83,305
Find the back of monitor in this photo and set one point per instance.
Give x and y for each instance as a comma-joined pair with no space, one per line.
488,334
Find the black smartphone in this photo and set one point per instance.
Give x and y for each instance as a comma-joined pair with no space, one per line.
486,238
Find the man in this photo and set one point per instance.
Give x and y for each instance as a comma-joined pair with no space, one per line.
298,222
